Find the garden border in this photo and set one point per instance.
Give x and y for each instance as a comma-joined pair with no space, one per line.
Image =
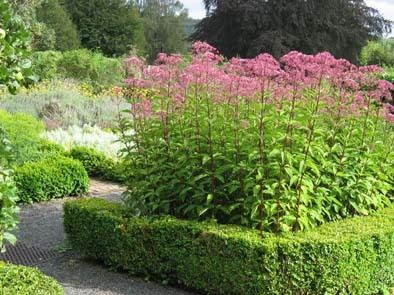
351,256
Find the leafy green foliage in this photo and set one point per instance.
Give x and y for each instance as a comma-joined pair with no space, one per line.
22,280
112,27
351,256
42,37
249,27
97,164
388,75
45,64
53,177
8,198
56,17
164,25
15,66
85,65
24,134
378,53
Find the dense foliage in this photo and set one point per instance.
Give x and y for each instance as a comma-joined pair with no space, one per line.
56,18
164,26
24,134
111,27
42,37
82,65
389,75
352,256
247,28
97,164
49,178
22,280
8,198
276,145
15,67
378,53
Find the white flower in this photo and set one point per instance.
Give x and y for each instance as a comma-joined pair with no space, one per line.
87,136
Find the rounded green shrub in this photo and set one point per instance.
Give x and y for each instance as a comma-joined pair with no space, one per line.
97,164
85,65
378,53
45,64
21,280
53,177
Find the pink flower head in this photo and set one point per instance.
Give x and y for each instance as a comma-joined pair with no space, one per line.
389,112
142,109
202,48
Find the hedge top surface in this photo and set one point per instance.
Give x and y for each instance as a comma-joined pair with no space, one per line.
21,280
349,229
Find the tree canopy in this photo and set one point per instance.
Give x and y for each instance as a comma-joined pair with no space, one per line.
55,17
112,27
249,27
164,22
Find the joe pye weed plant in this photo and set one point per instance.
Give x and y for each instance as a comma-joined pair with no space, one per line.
275,145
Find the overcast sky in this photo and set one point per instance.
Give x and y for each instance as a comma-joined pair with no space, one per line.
386,7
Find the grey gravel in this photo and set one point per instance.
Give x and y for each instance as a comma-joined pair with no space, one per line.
41,225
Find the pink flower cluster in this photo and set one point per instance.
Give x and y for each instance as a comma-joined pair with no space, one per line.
208,75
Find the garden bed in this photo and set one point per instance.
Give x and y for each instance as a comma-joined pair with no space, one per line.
351,256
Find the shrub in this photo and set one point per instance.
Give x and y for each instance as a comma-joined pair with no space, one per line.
98,164
21,280
8,198
378,53
85,65
388,75
351,256
45,64
278,145
50,178
24,134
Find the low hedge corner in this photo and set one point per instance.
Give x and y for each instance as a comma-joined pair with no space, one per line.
49,178
351,256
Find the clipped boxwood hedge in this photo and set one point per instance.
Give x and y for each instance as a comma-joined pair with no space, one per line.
98,164
50,178
352,256
21,280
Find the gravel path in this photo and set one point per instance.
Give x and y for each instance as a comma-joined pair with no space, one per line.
42,226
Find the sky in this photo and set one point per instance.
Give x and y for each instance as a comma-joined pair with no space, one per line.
386,7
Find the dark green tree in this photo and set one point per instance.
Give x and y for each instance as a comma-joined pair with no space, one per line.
249,27
56,17
164,22
112,27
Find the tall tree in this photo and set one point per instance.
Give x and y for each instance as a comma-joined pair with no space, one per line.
56,17
249,27
112,27
42,37
164,22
